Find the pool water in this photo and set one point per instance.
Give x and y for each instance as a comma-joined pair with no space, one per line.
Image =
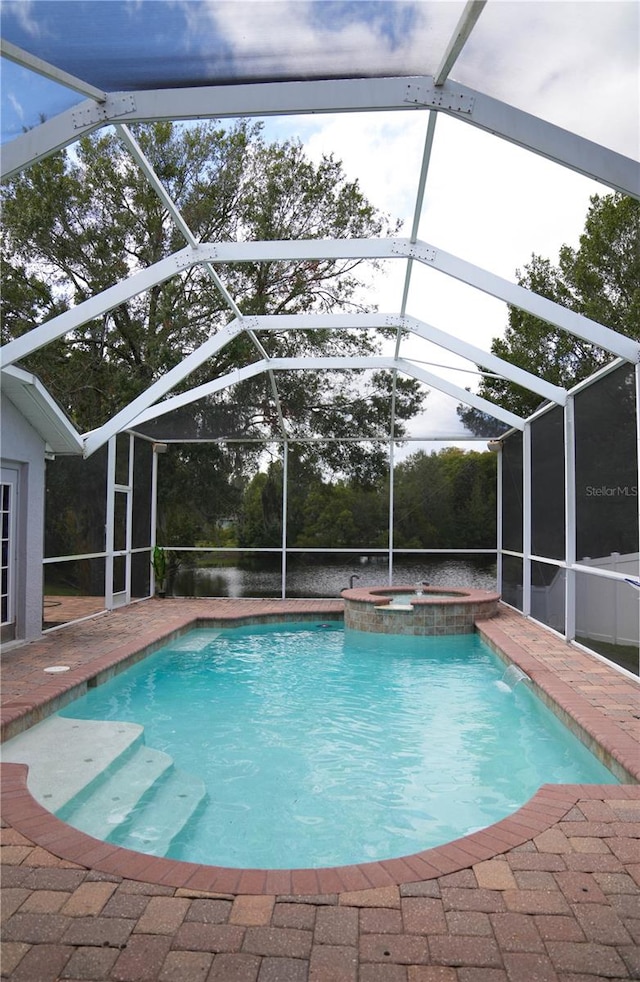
319,747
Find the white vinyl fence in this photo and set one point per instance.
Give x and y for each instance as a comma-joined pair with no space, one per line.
609,610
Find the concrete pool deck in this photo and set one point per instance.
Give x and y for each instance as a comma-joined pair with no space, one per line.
550,893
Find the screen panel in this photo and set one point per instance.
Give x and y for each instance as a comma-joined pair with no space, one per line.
76,505
511,586
548,595
548,485
607,471
512,502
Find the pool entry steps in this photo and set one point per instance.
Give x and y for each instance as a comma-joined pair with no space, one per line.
84,785
427,611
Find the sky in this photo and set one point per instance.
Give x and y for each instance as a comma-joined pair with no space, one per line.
572,62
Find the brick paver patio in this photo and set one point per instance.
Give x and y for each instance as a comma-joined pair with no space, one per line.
550,893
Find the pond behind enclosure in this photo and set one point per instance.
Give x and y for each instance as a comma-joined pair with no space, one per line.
309,579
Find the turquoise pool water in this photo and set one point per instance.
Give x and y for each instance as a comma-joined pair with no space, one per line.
319,747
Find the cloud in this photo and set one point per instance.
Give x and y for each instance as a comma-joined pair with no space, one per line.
572,62
576,64
16,105
304,38
24,14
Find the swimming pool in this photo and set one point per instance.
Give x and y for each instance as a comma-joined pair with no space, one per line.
321,748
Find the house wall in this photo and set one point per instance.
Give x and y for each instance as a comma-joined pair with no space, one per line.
23,450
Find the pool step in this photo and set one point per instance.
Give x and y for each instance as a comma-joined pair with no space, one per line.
101,778
109,803
65,756
161,815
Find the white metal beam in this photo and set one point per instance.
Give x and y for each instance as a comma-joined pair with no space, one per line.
138,155
444,262
518,296
468,398
554,393
34,64
328,96
370,362
531,133
238,252
276,322
157,389
92,308
200,392
417,213
467,22
258,368
136,150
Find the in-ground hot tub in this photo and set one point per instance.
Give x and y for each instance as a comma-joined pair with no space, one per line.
403,610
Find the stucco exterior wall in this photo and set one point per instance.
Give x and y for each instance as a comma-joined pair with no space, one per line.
23,450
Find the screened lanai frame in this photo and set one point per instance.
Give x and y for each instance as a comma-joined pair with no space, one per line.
325,91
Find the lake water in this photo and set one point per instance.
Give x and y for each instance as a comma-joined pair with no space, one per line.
324,580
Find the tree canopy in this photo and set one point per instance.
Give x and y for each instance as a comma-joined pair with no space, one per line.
443,500
600,279
79,221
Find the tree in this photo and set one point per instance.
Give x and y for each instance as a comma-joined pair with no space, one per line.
261,519
321,511
445,500
600,279
78,222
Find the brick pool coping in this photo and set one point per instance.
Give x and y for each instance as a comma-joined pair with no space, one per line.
547,807
571,679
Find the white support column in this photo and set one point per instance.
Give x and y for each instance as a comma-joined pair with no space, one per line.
638,452
285,482
570,518
638,478
154,516
129,520
110,523
391,505
499,536
526,520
